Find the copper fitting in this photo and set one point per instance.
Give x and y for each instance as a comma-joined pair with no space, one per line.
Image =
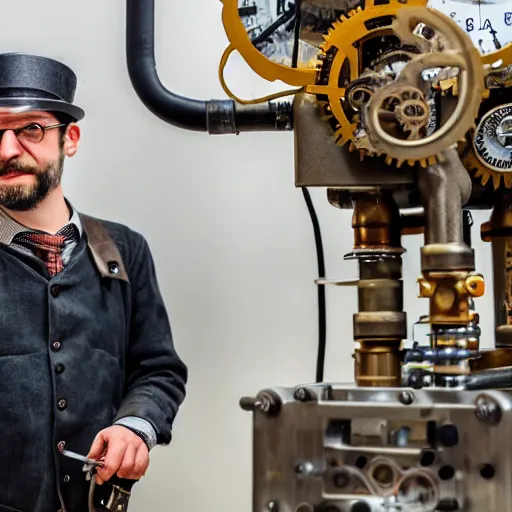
376,222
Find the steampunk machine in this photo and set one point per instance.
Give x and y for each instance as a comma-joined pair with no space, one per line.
402,111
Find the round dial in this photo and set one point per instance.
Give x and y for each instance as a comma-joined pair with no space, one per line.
487,22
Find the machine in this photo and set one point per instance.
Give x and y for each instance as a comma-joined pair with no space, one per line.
402,111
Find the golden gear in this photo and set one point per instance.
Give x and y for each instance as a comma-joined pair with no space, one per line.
239,40
455,50
479,170
476,165
340,42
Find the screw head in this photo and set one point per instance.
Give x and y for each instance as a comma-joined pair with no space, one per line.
406,397
302,395
488,410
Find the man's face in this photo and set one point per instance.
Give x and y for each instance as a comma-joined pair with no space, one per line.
31,168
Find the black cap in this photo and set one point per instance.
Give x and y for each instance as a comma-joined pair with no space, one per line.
37,83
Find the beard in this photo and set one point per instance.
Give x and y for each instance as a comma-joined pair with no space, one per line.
27,197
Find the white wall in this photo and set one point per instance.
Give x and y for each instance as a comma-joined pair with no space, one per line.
230,234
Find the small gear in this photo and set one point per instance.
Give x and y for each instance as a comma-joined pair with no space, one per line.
390,60
340,60
488,152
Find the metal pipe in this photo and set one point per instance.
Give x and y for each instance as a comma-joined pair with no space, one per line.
212,116
445,188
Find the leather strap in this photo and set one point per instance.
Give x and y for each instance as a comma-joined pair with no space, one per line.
104,251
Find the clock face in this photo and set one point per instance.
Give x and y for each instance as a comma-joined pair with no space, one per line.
487,22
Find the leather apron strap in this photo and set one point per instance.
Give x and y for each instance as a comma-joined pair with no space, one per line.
104,251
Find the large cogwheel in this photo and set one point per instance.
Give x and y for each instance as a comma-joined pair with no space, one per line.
340,60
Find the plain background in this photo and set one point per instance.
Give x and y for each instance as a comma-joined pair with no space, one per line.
230,234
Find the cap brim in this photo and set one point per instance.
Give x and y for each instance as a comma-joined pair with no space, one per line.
18,105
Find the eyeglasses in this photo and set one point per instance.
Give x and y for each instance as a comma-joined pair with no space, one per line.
33,133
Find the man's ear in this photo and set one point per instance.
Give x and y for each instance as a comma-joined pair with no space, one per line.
71,140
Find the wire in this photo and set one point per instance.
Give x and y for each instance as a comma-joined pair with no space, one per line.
322,314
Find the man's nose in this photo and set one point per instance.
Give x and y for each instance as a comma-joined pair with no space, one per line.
10,146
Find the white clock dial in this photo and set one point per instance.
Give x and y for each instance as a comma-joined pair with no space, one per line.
487,22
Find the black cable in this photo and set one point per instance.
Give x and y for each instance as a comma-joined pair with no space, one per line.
322,314
287,16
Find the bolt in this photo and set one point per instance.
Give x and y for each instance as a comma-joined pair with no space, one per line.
302,395
406,397
340,479
504,132
304,468
487,410
265,402
248,403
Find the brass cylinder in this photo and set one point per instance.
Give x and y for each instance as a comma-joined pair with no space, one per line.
378,363
498,231
376,222
380,324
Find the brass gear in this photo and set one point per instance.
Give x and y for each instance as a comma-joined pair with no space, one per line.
475,165
457,51
339,49
484,173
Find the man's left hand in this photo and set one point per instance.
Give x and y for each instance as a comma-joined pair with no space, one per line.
122,452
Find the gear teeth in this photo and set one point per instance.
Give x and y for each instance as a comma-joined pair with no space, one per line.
496,178
485,177
432,160
478,170
341,38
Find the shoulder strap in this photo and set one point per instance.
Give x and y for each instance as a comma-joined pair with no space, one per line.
104,251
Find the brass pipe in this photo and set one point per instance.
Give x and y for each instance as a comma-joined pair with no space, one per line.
380,323
498,231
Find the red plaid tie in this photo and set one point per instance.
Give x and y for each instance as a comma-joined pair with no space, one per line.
46,247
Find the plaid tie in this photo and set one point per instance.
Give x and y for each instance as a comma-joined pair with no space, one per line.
47,247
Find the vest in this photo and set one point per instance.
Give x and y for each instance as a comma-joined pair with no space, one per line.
62,367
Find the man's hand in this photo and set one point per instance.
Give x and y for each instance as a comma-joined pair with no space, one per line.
122,452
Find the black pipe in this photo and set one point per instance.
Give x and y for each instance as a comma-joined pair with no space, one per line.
498,378
213,116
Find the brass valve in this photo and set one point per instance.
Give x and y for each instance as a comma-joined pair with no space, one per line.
474,285
449,294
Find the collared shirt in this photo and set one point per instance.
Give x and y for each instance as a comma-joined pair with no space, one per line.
9,228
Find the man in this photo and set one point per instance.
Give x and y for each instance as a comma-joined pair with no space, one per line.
87,362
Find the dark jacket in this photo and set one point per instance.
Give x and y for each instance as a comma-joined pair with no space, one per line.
77,352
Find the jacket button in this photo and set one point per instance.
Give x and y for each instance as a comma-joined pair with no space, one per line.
59,368
62,404
61,445
66,479
56,345
55,290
